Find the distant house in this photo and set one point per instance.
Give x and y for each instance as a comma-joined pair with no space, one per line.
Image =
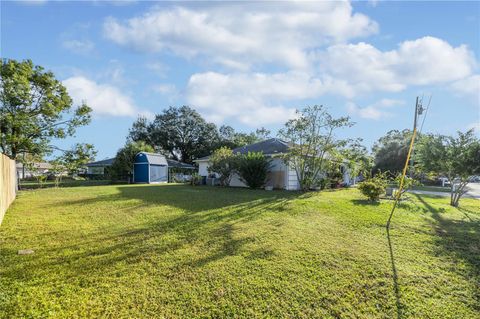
156,168
281,175
98,167
41,168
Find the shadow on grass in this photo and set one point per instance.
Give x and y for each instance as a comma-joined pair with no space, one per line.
396,287
69,183
206,222
365,202
459,239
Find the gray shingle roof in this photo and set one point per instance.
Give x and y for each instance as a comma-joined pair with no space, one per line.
105,162
268,147
177,164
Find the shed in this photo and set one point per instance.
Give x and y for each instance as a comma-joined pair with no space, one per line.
150,168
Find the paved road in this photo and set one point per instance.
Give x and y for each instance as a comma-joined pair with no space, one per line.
472,192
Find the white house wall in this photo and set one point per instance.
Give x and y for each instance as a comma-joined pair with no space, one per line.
292,183
203,168
277,165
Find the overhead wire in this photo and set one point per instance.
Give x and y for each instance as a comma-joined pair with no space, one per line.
425,115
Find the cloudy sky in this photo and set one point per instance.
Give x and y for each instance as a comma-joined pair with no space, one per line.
251,64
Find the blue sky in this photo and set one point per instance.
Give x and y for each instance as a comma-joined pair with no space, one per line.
251,64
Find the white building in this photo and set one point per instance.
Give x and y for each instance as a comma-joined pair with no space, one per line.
281,175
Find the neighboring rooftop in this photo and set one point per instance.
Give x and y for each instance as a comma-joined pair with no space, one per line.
105,162
177,164
271,146
39,165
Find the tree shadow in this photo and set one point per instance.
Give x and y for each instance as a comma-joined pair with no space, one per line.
207,218
458,239
396,287
365,202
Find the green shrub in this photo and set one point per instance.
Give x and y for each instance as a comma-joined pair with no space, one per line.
224,163
195,180
373,187
253,168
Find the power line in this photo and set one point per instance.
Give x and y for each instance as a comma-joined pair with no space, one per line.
425,115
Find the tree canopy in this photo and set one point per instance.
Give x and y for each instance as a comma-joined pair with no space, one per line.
224,163
183,134
457,158
35,108
390,151
313,143
123,163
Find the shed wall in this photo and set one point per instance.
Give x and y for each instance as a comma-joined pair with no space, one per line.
140,173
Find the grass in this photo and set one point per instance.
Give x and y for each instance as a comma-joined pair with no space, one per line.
432,189
63,183
177,251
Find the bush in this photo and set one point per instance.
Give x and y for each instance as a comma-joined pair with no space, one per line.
253,168
224,163
374,187
196,179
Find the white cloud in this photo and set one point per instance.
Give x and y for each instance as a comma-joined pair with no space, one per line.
104,99
469,86
238,35
375,111
309,40
425,61
84,47
251,98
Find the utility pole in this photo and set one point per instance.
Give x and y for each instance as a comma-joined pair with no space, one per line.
418,111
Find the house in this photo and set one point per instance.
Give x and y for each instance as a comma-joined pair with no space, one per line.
156,168
41,168
281,175
98,167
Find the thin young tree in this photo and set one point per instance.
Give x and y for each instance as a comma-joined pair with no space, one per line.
311,136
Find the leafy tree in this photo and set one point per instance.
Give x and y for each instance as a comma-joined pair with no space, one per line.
253,168
123,163
390,151
181,132
77,157
454,157
231,139
35,108
223,162
71,161
357,160
140,131
408,183
311,136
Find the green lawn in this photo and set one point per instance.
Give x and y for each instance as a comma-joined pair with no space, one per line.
63,183
432,189
177,251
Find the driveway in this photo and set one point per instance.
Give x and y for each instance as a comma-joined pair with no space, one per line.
473,191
